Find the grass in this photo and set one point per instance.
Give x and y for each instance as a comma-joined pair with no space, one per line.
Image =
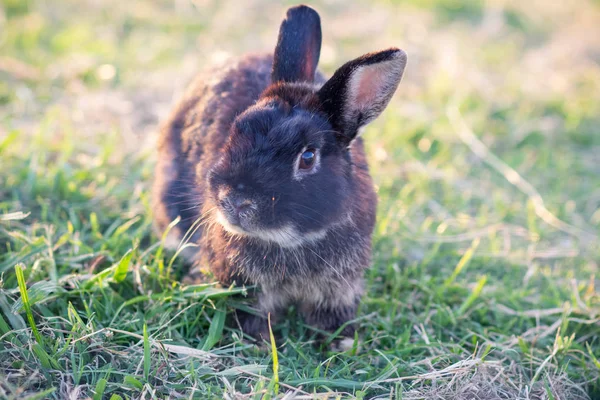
485,275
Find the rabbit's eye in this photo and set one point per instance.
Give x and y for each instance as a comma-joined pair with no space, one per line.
307,159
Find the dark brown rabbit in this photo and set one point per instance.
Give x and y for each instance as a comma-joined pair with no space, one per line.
263,163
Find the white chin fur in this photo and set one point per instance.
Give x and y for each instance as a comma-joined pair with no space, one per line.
286,236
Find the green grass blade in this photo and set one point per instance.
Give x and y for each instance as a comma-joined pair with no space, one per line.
474,295
4,328
146,354
8,140
94,224
45,394
592,356
15,321
159,253
26,303
354,349
461,264
130,381
275,380
100,387
123,266
41,355
330,383
215,332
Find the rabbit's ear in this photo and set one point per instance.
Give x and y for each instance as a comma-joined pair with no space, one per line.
361,89
298,46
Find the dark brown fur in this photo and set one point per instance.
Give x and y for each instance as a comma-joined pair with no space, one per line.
235,135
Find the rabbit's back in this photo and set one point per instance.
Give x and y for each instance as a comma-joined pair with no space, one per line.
196,130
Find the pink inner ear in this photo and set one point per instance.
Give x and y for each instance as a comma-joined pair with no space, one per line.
308,66
369,83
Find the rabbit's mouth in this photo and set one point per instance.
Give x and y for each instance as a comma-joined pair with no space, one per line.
236,220
244,224
232,223
240,214
285,236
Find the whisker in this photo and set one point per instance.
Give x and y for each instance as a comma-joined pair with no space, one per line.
194,228
308,208
191,208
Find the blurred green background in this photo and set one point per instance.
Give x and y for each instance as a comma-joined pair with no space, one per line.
487,164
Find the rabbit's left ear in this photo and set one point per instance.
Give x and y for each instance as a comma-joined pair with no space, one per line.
361,89
298,46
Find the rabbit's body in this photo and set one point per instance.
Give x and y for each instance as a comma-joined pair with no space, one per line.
262,162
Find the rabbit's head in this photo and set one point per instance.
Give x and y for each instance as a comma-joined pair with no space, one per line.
286,174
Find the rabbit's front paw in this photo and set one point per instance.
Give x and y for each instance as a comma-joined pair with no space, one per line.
255,326
330,319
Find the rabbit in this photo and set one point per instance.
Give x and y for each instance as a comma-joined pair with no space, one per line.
263,163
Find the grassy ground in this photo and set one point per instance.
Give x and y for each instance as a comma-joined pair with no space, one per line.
485,276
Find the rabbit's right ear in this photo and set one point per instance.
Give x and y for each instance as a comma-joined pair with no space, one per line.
298,46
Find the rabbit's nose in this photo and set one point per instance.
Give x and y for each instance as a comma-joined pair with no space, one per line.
240,204
234,204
